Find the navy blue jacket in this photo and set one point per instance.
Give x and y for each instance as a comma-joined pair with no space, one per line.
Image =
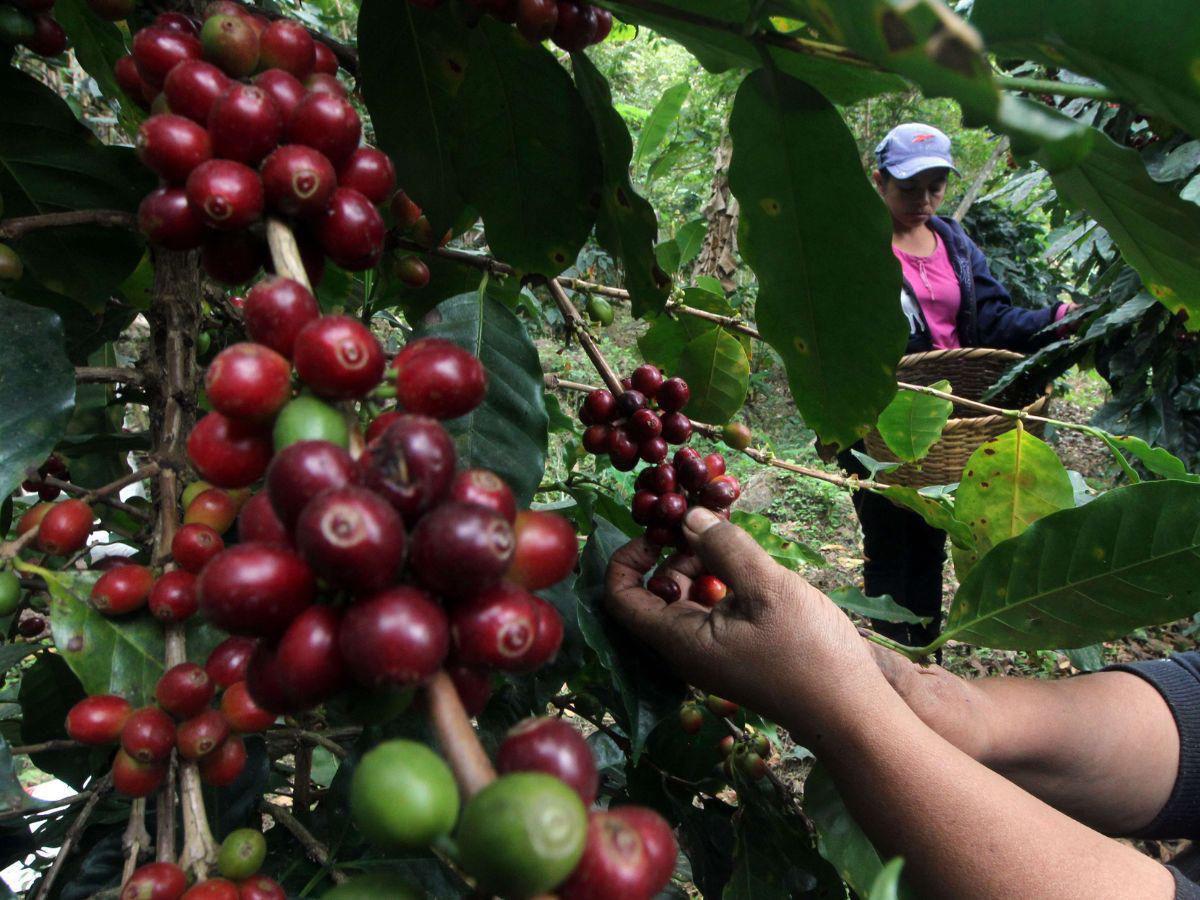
987,317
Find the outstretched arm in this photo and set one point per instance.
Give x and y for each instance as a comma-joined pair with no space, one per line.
783,649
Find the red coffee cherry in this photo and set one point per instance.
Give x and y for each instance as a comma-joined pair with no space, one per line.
222,767
474,687
241,712
653,450
353,538
630,852
647,379
122,589
325,62
309,659
192,87
351,231
622,450
716,465
686,453
411,465
166,218
267,683
177,22
194,545
644,507
258,522
595,439
708,590
65,528
380,424
227,452
495,628
225,194
214,508
576,26
665,588
260,887
484,488
201,734
736,435
148,735
404,211
231,42
676,428
545,549
438,378
548,638
287,45
255,589
158,50
173,597
245,124
670,509
233,257
662,479
285,89
155,881
326,123
552,746
604,21
673,395
629,402
321,83
249,381
172,146
276,310
136,779
298,180
184,690
396,638
459,549
370,172
98,720
301,471
665,536
717,494
599,407
413,272
644,424
126,72
338,357
536,19
692,473
227,663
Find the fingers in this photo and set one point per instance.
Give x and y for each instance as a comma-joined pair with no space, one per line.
733,556
648,616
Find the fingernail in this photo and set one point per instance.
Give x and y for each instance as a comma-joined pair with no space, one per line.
699,519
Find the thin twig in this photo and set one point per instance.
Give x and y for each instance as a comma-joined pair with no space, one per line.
108,375
316,738
302,780
10,229
456,736
30,749
1054,88
285,254
106,498
164,816
72,835
586,341
136,838
316,851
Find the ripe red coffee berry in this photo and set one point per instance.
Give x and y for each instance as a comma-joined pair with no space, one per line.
338,357
260,887
285,89
438,378
177,22
536,19
267,683
155,881
327,123
227,452
495,628
599,408
167,219
233,257
644,507
158,50
351,230
622,450
676,428
630,853
665,588
258,522
662,478
126,72
411,465
321,83
245,124
255,589
370,172
241,712
194,545
98,720
287,45
184,690
629,402
301,471
201,734
172,146
674,395
692,473
484,488
396,638
380,424
547,639
325,62
647,379
413,272
707,590
545,549
65,528
231,42
192,87
249,381
686,453
173,597
275,312
717,494
595,439
716,465
653,451
353,538
404,211
670,509
136,779
214,508
644,425
227,663
459,549
298,180
576,25
309,657
222,767
122,589
148,735
552,746
212,889
225,194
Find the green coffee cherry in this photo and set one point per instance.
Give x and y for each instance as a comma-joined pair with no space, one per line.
403,796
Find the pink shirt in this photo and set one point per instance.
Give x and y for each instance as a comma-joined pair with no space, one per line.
938,292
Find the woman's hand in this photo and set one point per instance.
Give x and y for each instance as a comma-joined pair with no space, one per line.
776,645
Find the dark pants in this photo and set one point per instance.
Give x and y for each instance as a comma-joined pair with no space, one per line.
902,557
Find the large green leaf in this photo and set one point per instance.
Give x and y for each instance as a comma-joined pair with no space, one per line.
412,62
837,327
1008,484
790,553
509,431
97,44
1156,459
658,123
883,608
664,341
527,158
37,389
626,225
913,422
1149,59
936,511
1094,573
717,370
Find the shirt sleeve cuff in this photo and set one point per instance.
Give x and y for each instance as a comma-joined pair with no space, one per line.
1184,889
1179,687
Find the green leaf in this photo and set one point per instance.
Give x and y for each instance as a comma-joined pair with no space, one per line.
1008,484
113,655
913,422
97,45
12,796
883,608
717,370
526,159
37,389
796,232
659,122
790,553
1094,573
937,511
1087,659
509,431
887,884
663,343
412,62
11,654
690,239
1156,459
626,225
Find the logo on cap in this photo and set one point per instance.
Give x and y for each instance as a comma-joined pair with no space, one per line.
922,138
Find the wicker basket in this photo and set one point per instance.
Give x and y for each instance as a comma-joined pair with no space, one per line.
970,371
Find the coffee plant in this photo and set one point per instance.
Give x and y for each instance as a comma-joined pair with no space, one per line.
285,601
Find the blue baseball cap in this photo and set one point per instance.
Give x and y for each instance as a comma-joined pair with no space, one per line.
912,148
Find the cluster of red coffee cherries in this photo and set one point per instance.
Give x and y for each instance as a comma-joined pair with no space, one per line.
239,858
53,467
230,151
570,24
31,24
